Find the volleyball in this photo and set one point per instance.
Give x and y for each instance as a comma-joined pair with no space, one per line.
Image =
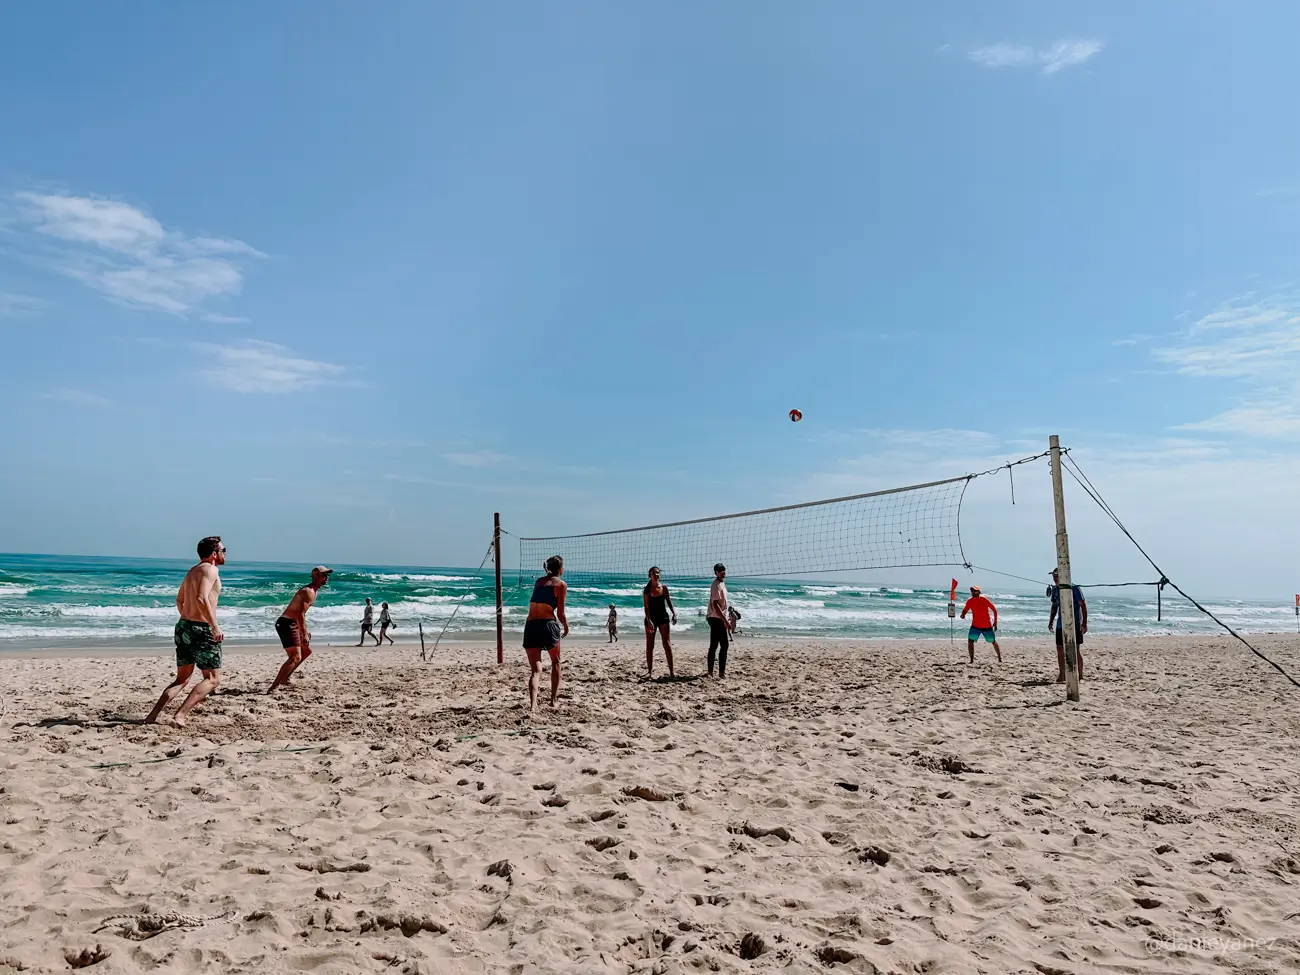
795,416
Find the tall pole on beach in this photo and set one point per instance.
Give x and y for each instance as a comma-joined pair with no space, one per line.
496,551
1065,589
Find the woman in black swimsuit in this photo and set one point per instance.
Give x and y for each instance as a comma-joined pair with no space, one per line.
658,605
545,627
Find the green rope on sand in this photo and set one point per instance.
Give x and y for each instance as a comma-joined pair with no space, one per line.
172,758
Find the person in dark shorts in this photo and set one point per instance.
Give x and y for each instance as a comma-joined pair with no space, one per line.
545,627
197,635
385,623
611,624
719,619
291,627
368,623
658,605
1054,621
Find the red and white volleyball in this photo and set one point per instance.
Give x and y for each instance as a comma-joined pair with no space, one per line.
795,416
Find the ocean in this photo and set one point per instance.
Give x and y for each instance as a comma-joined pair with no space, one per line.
69,601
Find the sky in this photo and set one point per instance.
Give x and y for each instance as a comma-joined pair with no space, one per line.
337,281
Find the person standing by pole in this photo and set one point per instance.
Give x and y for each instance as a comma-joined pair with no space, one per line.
1054,623
720,623
1071,630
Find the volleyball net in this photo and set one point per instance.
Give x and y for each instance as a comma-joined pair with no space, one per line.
907,527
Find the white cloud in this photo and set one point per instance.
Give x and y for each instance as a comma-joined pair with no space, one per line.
1274,421
264,367
1248,338
127,255
1051,59
224,319
475,458
19,306
77,397
1255,340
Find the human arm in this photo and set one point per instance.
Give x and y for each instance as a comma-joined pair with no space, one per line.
1051,619
994,607
561,592
668,599
1083,612
965,609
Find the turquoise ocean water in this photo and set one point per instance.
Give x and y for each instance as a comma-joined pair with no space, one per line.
68,601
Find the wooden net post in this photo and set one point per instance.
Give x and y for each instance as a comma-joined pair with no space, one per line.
1065,590
496,551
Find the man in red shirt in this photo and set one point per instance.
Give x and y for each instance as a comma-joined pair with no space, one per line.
983,622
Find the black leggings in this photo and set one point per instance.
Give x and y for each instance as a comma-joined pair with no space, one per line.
718,641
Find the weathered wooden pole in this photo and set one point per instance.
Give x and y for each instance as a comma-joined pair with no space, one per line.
496,551
1065,590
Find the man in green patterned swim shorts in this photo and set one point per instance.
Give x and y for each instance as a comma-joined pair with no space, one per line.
198,637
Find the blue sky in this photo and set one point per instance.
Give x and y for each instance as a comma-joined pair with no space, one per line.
338,280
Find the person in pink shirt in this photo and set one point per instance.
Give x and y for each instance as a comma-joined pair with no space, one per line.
983,622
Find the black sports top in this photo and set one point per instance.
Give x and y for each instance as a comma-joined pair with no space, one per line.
657,609
544,592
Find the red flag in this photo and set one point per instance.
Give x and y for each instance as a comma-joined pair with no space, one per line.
952,597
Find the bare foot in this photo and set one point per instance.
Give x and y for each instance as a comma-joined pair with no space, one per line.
1060,679
180,721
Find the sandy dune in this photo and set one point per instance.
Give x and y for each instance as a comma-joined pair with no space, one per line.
831,807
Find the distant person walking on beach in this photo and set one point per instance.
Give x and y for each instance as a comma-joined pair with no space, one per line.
611,624
368,623
658,605
385,621
1055,620
719,619
983,622
291,627
545,627
733,617
197,635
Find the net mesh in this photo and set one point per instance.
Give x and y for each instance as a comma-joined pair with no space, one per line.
905,527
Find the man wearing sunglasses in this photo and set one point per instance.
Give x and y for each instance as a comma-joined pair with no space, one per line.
197,635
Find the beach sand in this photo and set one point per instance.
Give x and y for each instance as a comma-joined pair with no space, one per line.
846,806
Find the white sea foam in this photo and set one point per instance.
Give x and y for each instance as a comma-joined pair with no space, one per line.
403,577
12,590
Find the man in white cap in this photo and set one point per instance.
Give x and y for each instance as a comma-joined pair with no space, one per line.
983,622
291,627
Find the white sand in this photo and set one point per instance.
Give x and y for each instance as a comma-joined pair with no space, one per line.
1099,837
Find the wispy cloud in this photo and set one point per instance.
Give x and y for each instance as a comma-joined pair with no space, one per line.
1248,338
1254,340
77,397
264,367
475,458
223,319
129,257
1051,59
19,306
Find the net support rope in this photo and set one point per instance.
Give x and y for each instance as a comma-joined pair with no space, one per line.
1068,462
908,527
424,654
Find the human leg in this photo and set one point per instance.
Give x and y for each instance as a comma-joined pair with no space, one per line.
183,674
649,647
211,680
724,641
970,648
555,674
534,676
998,650
294,658
668,647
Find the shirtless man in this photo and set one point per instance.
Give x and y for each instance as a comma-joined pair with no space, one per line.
197,635
291,627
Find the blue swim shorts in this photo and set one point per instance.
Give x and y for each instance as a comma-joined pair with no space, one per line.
975,633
